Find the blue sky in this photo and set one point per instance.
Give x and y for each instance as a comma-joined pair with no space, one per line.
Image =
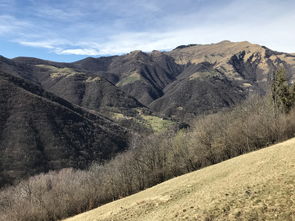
68,30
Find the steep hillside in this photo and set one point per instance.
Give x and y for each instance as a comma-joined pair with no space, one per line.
77,86
81,85
193,79
240,61
24,70
182,83
256,186
232,70
86,90
199,89
141,75
41,132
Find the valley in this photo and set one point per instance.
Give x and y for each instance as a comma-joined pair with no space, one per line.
127,123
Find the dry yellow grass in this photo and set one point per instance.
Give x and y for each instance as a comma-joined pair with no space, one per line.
157,124
130,78
255,186
61,72
220,54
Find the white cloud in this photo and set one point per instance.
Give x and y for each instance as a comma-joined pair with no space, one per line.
275,34
9,24
112,27
78,51
42,44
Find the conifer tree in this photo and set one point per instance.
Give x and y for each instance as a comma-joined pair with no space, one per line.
283,94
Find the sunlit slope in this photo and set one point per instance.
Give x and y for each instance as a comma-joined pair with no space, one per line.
256,186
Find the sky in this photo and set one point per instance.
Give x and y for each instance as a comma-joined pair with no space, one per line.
69,30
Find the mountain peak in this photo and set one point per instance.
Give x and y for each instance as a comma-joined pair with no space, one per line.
224,41
156,52
136,52
184,46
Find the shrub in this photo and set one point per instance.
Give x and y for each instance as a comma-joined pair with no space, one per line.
153,159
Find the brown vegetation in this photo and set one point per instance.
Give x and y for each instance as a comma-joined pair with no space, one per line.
254,186
212,139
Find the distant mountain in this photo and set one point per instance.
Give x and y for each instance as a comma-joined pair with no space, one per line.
82,87
192,79
77,86
41,132
240,61
56,115
198,89
141,75
229,72
182,83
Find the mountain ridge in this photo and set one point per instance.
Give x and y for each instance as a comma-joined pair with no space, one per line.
149,77
144,92
41,132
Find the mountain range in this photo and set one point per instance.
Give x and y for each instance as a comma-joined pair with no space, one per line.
55,115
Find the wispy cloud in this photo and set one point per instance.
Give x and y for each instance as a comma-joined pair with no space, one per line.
9,24
78,51
114,27
57,13
41,44
6,4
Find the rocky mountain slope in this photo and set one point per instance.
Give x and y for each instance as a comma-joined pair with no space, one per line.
141,75
142,91
240,61
182,83
242,188
41,132
77,86
236,69
174,83
197,90
81,85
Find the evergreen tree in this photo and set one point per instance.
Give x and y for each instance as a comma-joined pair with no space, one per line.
283,94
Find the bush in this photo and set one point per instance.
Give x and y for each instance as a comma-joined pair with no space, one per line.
153,159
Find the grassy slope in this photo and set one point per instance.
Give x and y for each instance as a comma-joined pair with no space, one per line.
256,186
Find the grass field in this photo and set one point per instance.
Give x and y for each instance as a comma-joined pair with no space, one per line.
157,124
255,186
